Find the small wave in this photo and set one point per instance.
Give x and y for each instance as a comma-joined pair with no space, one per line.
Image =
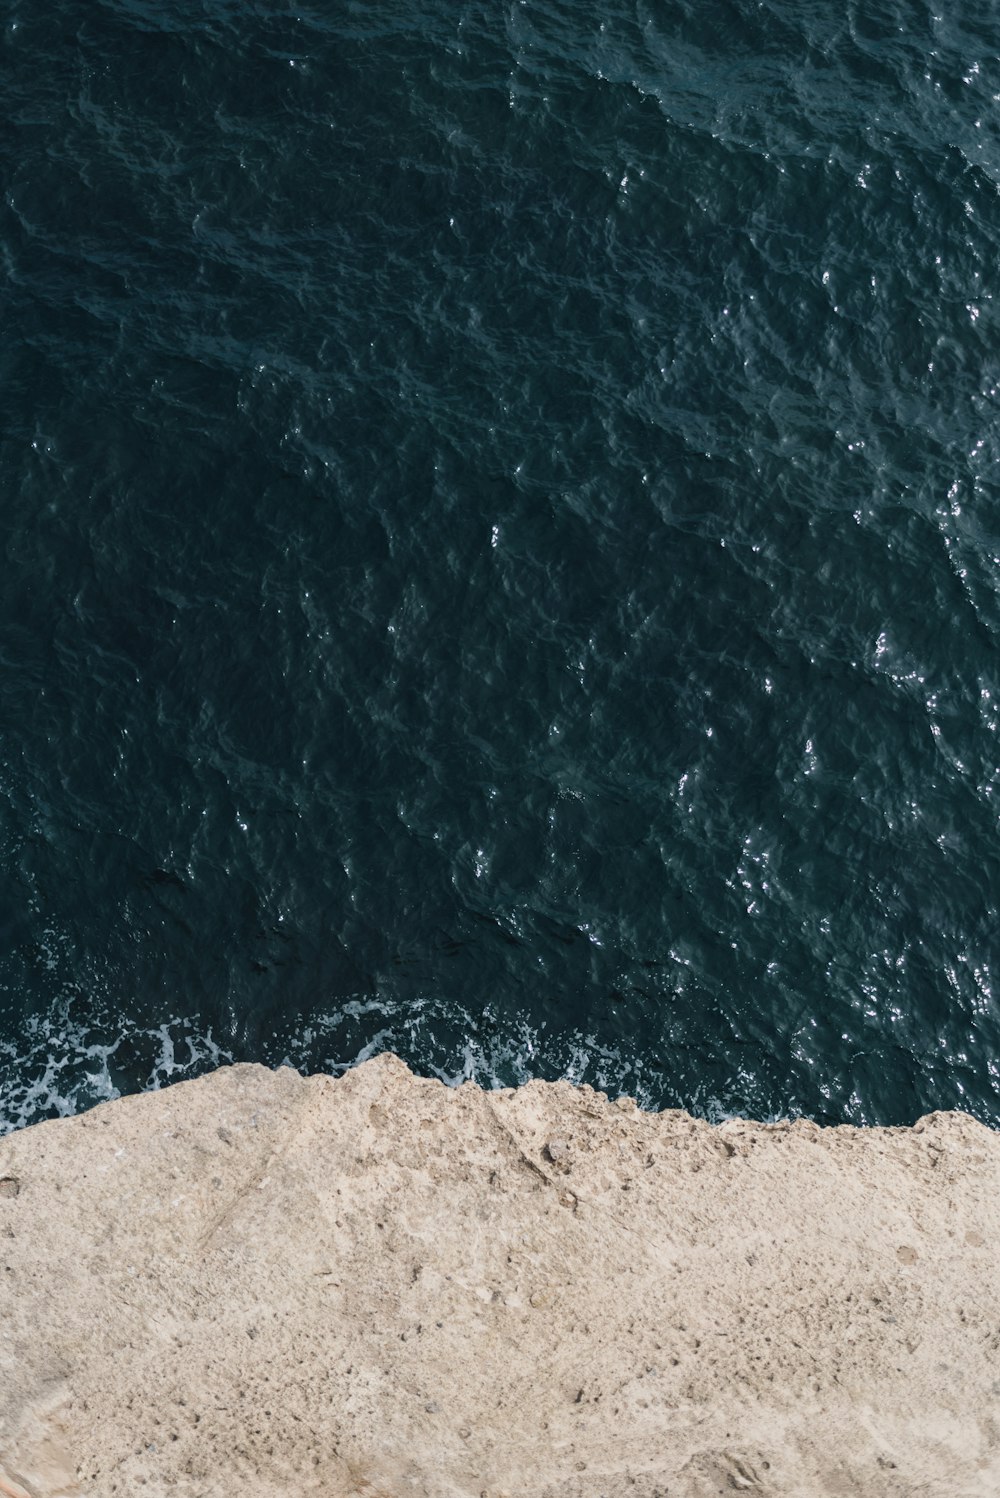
62,1065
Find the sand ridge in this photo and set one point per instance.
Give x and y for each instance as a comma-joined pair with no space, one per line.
263,1284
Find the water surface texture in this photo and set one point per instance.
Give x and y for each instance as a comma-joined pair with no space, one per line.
501,547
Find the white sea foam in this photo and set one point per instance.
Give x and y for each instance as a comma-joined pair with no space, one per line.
61,1065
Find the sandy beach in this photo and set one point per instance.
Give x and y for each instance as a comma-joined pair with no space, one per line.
259,1284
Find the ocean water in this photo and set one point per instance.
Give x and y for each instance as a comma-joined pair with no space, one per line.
501,547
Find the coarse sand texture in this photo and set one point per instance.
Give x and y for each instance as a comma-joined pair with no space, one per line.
257,1284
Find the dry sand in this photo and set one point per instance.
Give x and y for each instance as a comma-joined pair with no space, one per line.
255,1284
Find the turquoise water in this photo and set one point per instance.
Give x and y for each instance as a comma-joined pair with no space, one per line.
501,548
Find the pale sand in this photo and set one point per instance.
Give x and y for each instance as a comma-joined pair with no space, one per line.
255,1284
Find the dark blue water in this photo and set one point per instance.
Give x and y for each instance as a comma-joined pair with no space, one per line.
501,547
